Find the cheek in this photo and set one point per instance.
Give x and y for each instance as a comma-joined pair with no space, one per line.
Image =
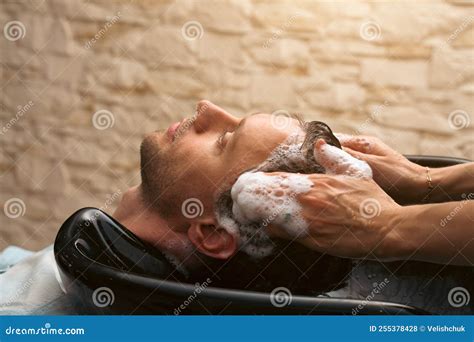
242,160
194,150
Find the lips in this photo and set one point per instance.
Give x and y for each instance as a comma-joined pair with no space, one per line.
173,129
171,132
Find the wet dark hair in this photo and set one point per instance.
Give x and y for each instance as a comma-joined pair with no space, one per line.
301,270
293,266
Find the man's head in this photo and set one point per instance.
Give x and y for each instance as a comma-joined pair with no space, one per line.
191,162
185,168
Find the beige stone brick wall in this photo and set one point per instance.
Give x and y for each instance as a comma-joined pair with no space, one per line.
400,70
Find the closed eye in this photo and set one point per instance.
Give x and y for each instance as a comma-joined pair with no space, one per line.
222,141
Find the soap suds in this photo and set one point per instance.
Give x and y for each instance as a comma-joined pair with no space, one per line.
271,199
338,162
258,199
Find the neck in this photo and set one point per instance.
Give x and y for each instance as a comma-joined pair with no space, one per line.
150,227
137,217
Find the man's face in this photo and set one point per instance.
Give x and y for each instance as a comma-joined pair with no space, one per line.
201,156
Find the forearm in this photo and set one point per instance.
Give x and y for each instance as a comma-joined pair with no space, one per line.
453,181
440,233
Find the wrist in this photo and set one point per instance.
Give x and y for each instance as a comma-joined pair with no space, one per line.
412,185
399,242
437,180
421,182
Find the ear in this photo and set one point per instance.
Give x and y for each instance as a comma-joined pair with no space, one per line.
212,240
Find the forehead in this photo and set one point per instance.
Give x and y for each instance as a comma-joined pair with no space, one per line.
270,129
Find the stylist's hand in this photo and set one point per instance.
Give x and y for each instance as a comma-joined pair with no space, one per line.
399,177
348,217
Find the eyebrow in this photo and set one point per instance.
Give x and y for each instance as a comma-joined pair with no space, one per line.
242,123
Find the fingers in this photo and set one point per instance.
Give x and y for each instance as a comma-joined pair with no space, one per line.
358,143
338,162
357,154
364,144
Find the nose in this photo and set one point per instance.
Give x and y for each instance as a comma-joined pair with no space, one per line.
210,117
